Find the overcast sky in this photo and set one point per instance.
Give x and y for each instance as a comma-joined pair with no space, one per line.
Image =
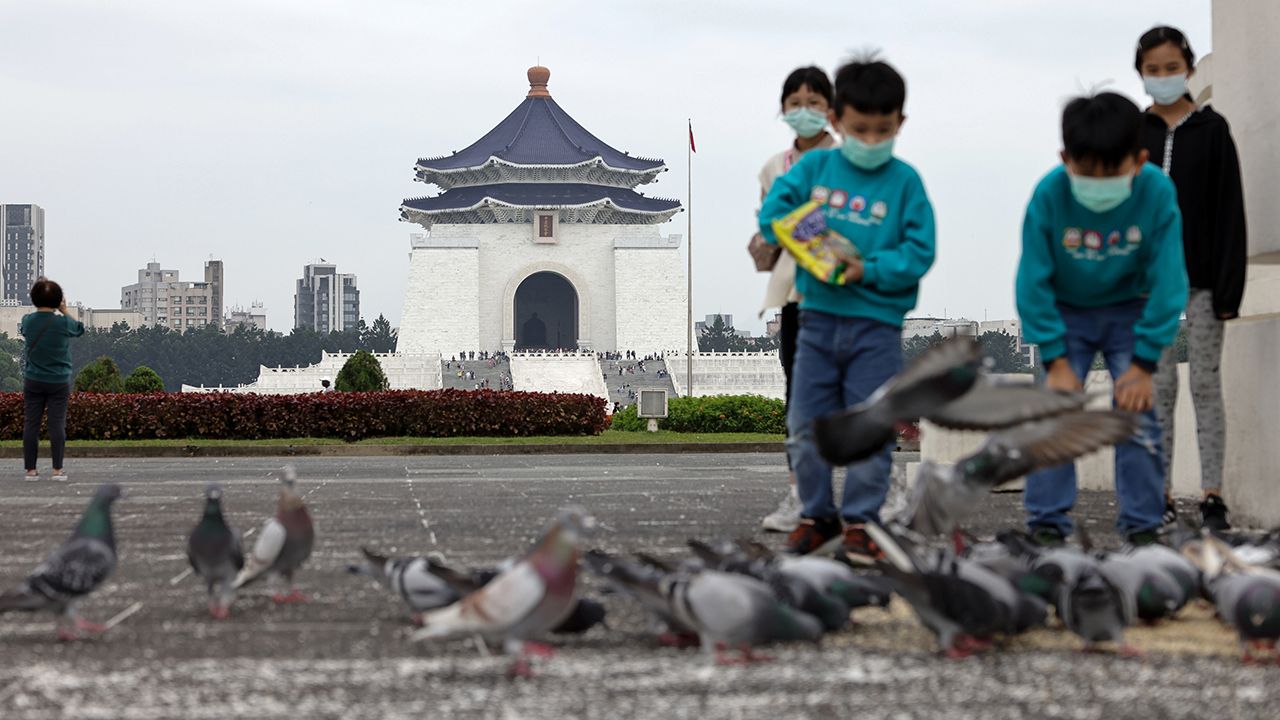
270,134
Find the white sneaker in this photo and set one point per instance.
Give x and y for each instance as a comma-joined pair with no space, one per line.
787,517
31,478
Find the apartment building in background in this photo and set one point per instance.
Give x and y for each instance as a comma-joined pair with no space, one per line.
326,300
161,298
22,233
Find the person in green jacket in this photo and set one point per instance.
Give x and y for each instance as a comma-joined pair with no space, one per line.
46,381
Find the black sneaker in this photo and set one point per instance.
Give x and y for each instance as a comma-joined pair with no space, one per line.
1048,537
813,535
1214,512
1143,537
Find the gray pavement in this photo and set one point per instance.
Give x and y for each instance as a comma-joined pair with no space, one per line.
345,654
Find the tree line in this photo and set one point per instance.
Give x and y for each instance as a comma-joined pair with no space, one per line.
209,356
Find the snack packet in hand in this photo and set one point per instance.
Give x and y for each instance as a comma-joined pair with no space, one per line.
817,248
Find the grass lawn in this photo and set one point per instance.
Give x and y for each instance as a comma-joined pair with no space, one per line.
608,437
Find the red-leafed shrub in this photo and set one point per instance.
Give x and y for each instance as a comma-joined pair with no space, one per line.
345,415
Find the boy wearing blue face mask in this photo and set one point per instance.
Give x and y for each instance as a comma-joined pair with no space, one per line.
850,339
1102,272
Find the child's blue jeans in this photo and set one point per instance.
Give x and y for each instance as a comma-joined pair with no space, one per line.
1051,493
839,362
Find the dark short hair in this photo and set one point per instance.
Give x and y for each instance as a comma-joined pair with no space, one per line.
1157,36
869,86
46,293
1106,128
815,78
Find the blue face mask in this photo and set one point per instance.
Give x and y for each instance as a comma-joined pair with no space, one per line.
867,157
1101,194
807,123
1166,90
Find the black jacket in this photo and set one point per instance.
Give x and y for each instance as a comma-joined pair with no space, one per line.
1206,171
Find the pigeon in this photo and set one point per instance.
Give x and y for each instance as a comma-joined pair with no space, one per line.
1246,597
1071,579
1150,593
73,571
944,494
725,610
214,551
792,589
426,583
411,578
829,575
284,543
962,602
532,596
945,385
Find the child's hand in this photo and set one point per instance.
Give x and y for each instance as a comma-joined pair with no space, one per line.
1062,377
852,270
62,307
1133,390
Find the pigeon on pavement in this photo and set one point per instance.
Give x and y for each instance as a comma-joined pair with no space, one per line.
284,543
962,602
531,597
411,578
77,568
1246,597
725,610
427,583
213,549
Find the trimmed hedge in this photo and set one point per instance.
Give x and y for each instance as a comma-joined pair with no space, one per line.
712,414
349,416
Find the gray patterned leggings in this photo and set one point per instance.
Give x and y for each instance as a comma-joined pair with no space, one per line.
1204,353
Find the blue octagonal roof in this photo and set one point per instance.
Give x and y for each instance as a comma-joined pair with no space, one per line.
539,132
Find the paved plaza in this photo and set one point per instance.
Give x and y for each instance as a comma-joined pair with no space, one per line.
346,655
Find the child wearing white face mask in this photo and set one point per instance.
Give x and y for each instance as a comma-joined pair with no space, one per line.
1193,146
1102,272
806,98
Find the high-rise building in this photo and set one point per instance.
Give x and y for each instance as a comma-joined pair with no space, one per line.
326,300
22,230
162,299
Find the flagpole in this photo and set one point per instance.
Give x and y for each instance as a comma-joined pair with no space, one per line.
688,152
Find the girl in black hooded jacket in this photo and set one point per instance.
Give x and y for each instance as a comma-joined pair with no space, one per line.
1193,146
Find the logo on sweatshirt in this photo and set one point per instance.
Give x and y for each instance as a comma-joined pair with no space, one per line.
1071,238
879,209
820,193
858,203
838,198
1084,244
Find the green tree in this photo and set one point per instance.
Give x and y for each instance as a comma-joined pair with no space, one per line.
913,346
143,380
100,376
1002,348
720,337
361,373
379,337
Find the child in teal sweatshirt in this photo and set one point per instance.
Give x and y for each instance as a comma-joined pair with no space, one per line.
1102,272
850,339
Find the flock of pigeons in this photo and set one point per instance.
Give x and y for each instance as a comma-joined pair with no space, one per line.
731,597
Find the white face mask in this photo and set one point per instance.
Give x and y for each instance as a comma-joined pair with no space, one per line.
1165,90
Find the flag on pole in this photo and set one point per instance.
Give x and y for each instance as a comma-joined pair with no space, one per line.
692,147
